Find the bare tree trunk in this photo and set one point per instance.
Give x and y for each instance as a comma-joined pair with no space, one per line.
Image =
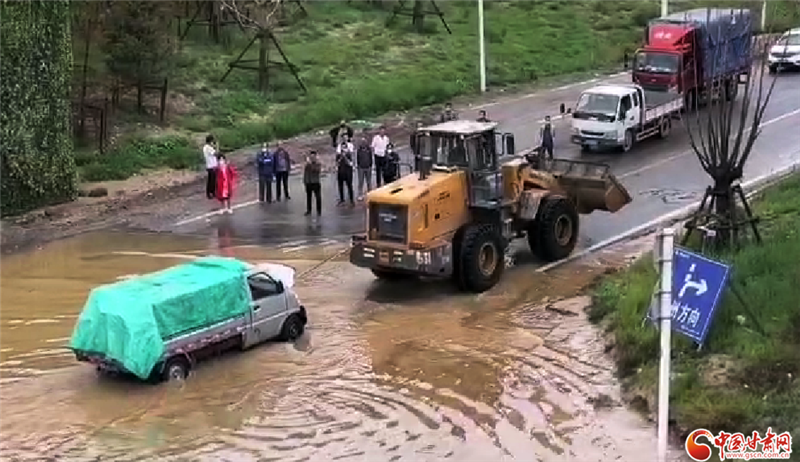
418,17
263,48
140,96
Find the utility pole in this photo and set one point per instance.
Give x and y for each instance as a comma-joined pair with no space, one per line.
664,7
481,46
666,244
764,16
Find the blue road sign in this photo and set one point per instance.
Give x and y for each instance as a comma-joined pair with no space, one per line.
697,285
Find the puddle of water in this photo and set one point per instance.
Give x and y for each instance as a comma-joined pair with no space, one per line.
42,292
406,372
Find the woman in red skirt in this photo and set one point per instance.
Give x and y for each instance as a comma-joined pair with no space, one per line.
226,180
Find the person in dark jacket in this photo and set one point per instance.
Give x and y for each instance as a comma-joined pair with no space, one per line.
391,169
364,164
482,116
448,114
266,173
283,165
344,171
341,131
413,142
311,179
547,137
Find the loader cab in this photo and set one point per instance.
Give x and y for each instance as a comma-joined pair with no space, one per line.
474,147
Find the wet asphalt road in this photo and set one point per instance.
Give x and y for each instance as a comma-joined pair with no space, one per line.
661,175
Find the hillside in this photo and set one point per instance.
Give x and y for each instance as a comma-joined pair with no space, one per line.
356,66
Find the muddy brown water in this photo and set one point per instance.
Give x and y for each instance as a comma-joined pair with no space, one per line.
403,372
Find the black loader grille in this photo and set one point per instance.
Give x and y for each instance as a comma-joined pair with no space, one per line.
389,222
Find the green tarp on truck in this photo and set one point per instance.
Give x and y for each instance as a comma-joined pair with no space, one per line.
129,321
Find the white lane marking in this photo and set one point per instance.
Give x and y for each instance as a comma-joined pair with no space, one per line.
215,212
546,90
690,152
296,248
292,243
754,185
155,255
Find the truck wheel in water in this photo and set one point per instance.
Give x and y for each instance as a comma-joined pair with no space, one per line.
627,142
664,127
176,368
481,260
292,328
555,232
773,69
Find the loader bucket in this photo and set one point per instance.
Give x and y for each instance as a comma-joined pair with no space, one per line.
591,185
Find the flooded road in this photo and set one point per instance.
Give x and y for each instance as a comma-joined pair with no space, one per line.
386,372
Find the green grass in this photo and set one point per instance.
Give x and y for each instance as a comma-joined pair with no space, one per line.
137,155
760,386
357,67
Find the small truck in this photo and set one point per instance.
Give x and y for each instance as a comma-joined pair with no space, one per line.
617,116
157,326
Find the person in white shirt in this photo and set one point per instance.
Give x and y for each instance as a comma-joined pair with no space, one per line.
379,144
210,156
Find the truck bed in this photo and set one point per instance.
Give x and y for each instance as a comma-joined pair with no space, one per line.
660,103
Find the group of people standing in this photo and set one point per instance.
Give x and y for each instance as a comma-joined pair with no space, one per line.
221,175
359,158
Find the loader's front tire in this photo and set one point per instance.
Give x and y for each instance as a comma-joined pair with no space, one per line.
555,232
481,258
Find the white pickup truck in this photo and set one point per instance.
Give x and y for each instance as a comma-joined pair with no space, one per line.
157,326
617,116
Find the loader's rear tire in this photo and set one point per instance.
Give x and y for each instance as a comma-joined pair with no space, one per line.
481,258
555,232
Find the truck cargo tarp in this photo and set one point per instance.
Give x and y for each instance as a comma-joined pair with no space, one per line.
129,321
725,37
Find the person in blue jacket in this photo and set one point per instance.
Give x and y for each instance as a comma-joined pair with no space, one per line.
266,172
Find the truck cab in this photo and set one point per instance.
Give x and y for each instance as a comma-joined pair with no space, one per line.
617,116
604,115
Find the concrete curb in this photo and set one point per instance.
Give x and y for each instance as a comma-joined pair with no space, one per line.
751,187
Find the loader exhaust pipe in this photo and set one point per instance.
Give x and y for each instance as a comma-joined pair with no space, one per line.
425,166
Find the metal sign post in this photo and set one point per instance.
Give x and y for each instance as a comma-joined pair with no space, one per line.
666,241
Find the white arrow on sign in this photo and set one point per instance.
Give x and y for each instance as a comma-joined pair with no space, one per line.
700,286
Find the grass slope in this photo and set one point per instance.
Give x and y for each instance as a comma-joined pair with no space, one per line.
741,380
355,66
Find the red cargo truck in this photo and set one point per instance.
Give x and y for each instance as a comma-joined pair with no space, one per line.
699,53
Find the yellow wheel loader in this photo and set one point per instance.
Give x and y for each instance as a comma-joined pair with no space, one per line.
472,196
